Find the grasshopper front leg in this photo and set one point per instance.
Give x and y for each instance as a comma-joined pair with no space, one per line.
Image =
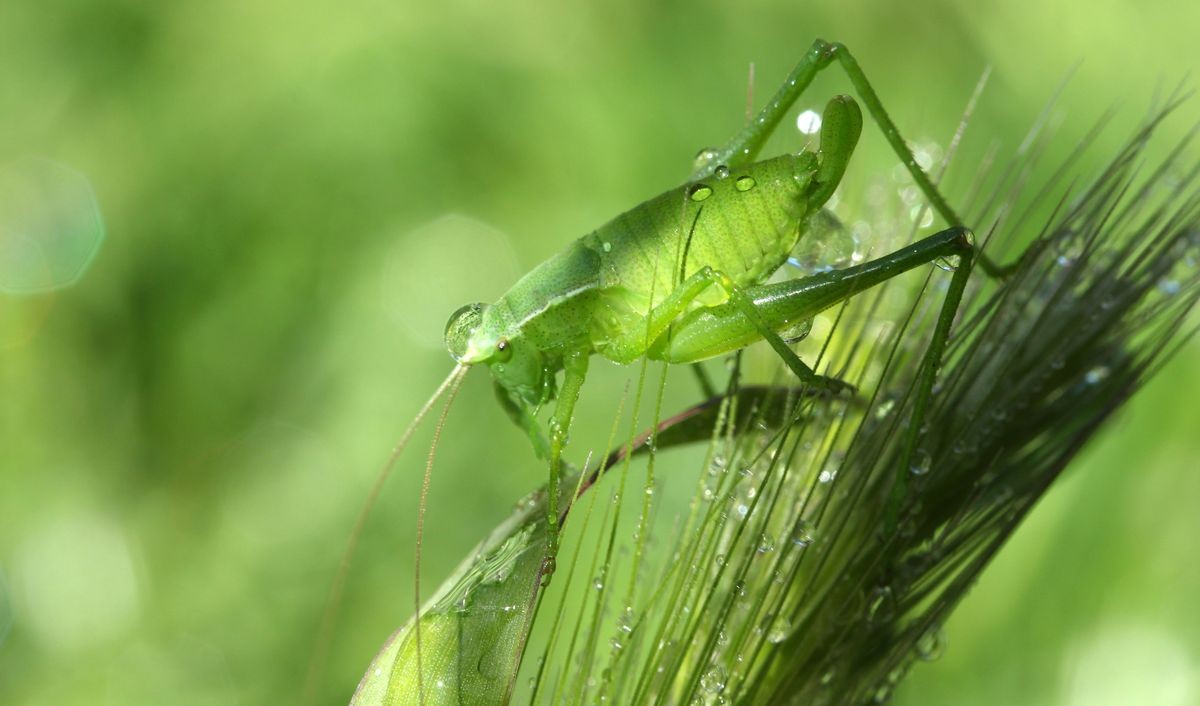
647,338
575,366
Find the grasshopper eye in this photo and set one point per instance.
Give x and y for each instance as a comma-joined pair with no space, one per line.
459,329
503,350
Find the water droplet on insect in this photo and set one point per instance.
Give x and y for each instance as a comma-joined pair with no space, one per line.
949,264
808,122
705,157
744,183
721,172
932,644
699,192
794,331
920,462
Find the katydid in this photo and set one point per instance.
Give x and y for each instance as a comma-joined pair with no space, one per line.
680,277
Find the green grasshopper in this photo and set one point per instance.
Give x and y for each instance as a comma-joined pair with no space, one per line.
680,277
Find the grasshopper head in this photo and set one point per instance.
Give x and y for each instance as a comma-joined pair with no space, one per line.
472,337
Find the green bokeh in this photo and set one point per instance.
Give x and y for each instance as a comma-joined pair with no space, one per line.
188,431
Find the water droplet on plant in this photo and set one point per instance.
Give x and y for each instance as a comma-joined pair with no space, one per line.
932,644
721,172
606,246
921,215
1096,374
802,533
1169,287
713,681
780,630
626,621
699,192
885,408
766,544
827,475
881,606
744,183
921,462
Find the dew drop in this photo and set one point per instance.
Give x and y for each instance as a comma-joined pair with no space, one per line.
885,408
921,462
921,215
808,122
766,544
802,533
882,605
1096,374
744,183
699,192
606,246
780,630
931,645
705,157
949,264
626,621
721,172
713,681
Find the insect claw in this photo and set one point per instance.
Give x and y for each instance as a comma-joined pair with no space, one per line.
549,564
833,387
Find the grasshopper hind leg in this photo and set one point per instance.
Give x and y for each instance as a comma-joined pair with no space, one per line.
746,144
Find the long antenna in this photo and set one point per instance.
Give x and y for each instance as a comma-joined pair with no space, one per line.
316,665
455,380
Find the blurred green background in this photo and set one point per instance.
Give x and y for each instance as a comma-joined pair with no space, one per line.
294,197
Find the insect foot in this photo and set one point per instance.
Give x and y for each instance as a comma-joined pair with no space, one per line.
549,564
832,386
